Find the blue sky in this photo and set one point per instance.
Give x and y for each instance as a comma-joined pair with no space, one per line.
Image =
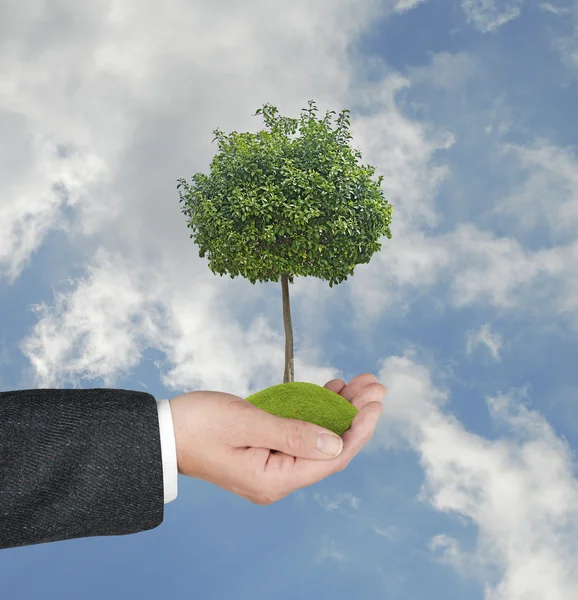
468,315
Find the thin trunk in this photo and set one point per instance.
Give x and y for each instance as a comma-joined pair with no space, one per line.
288,377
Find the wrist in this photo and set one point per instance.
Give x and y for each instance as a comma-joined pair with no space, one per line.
177,422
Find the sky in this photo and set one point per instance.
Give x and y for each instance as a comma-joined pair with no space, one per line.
468,315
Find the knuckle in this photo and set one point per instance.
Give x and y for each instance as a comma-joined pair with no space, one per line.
263,495
268,494
263,500
294,436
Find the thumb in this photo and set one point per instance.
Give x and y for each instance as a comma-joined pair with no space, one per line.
293,437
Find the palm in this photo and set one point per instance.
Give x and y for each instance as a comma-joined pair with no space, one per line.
361,391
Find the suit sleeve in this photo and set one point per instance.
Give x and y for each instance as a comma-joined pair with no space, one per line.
78,463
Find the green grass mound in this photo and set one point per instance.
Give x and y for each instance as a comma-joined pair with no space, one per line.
306,402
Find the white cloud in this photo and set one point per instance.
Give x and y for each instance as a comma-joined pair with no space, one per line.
568,47
330,551
390,533
566,43
490,15
548,194
411,263
93,331
405,5
475,267
122,93
34,196
136,114
495,270
446,71
402,150
101,327
519,491
128,171
337,502
492,341
551,8
405,153
116,84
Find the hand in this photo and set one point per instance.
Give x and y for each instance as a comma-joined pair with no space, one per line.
223,439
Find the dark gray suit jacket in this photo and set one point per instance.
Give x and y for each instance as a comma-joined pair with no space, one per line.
78,463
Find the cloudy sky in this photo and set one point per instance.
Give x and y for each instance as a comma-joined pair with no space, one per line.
468,315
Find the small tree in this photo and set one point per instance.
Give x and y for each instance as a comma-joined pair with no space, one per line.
276,205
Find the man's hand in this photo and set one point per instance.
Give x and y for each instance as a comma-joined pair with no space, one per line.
226,440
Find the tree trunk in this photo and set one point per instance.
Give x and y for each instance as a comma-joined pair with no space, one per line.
289,375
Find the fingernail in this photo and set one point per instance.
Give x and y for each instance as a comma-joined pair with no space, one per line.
329,444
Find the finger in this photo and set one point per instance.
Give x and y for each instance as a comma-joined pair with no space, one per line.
361,430
335,385
374,392
352,390
302,472
290,436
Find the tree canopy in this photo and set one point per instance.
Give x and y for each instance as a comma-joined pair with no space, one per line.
277,203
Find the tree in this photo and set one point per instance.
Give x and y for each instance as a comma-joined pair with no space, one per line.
278,205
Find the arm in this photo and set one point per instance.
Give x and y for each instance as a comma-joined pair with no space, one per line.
78,463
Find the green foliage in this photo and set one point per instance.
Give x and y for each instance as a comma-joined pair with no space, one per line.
306,402
276,203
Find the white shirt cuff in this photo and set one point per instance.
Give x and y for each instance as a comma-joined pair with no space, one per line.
169,450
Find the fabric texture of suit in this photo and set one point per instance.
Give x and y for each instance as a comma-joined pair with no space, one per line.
78,463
